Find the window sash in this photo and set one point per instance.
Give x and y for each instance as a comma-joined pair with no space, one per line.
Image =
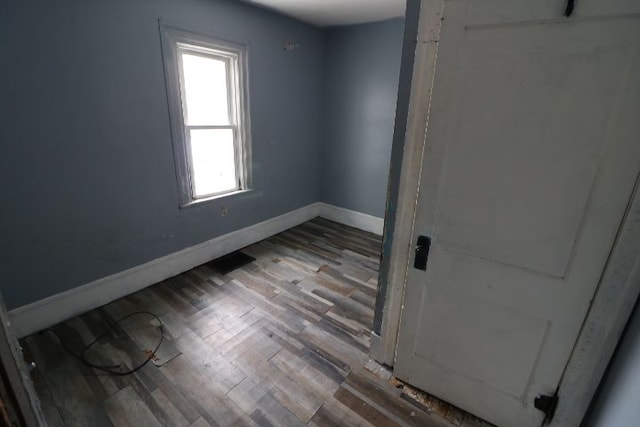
230,61
231,69
236,158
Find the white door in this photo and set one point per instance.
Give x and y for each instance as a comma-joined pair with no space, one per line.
532,151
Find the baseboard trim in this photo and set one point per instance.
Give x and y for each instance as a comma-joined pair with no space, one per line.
351,218
49,311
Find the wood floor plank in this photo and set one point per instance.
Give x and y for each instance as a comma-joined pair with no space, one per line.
285,270
204,394
291,395
143,392
176,301
276,311
270,413
387,399
247,394
170,390
347,307
126,409
174,416
317,381
366,411
335,414
321,361
364,298
260,343
294,291
323,281
339,328
231,331
255,283
200,422
288,363
347,355
298,307
328,273
298,253
74,400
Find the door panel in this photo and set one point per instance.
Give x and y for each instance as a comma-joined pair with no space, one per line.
545,158
531,154
447,342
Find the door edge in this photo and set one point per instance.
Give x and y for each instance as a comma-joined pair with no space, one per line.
610,310
402,195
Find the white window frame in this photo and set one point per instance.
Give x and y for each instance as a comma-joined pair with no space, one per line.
175,41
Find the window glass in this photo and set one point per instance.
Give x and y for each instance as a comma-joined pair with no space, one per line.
213,161
205,85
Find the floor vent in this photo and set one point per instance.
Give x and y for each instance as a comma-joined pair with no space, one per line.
228,263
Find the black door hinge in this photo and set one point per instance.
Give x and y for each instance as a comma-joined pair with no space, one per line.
546,404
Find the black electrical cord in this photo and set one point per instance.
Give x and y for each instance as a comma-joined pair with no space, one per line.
110,369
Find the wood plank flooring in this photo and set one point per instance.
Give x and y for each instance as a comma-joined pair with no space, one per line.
283,341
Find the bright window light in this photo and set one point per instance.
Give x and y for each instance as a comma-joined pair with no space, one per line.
214,166
206,86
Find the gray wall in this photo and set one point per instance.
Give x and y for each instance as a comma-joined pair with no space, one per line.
85,151
361,84
616,403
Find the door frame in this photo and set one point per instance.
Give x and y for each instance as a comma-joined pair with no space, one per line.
619,285
412,114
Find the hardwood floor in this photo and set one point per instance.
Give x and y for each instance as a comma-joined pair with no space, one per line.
282,341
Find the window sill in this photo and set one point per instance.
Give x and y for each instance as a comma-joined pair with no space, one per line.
233,194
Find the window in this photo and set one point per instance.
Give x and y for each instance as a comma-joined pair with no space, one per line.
206,84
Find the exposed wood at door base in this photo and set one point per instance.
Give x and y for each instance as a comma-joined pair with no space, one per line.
428,403
432,404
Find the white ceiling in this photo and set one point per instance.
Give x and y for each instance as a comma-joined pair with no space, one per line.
336,12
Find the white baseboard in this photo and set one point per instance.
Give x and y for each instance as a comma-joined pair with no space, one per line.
49,311
354,219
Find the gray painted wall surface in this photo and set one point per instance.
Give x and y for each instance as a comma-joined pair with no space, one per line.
361,85
616,403
85,150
